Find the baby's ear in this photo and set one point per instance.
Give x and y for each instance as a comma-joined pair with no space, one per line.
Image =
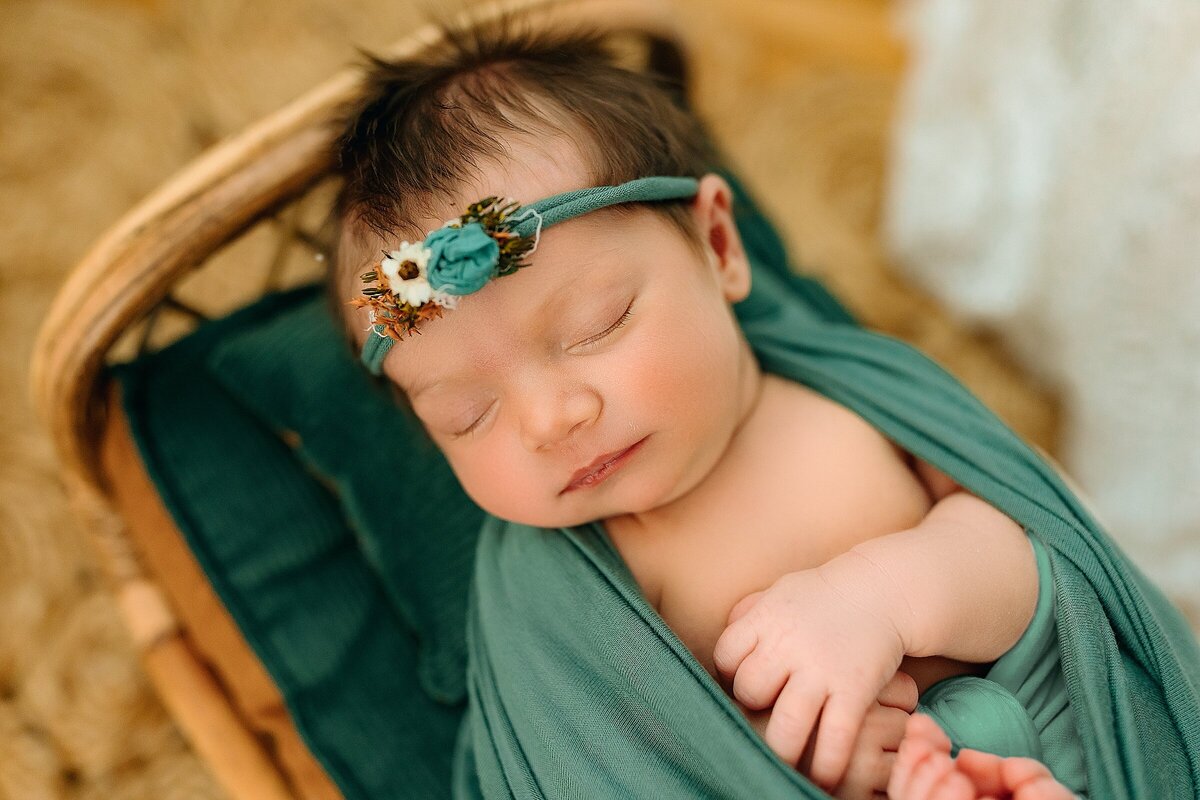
713,210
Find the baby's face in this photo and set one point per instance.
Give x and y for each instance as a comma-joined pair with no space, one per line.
618,335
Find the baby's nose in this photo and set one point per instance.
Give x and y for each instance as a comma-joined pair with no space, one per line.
553,418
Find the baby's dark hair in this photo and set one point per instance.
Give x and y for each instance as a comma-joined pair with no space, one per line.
420,125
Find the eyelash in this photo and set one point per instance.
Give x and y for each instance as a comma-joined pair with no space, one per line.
619,324
587,342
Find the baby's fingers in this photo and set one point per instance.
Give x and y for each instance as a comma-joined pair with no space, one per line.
736,642
1026,777
792,720
841,721
936,779
923,739
900,692
759,680
984,770
745,604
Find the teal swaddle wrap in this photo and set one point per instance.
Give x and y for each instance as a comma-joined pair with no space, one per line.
1022,707
982,715
579,689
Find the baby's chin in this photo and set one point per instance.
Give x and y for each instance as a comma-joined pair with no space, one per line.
544,518
640,493
570,512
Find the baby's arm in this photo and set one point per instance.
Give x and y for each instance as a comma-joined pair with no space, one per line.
962,583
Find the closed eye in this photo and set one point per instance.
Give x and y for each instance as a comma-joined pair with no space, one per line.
585,343
619,323
474,424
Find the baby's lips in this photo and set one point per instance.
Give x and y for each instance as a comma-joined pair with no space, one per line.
599,462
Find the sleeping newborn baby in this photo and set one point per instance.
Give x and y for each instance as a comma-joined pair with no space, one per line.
573,352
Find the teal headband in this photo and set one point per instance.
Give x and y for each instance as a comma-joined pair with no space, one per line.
417,281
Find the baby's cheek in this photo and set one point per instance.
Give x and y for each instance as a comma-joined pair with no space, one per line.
503,482
676,372
478,477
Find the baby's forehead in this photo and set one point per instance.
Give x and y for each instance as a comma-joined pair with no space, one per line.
546,179
569,280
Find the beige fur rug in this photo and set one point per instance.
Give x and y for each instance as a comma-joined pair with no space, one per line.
104,99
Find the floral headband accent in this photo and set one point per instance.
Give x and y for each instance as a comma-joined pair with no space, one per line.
419,280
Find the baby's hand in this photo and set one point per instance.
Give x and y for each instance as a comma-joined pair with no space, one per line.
874,755
820,642
924,769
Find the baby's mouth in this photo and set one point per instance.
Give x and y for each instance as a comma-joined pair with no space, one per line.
609,464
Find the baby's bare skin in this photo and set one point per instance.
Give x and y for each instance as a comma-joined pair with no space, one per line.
925,768
803,480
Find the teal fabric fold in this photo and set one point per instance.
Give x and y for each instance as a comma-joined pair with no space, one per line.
980,714
412,522
1022,707
277,549
1032,671
578,688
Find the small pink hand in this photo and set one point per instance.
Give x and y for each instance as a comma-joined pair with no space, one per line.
925,770
817,646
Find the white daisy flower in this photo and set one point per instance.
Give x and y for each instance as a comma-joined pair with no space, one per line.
415,291
408,251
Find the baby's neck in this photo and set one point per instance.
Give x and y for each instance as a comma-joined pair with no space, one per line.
751,383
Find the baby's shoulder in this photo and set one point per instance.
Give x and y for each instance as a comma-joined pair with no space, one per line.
791,404
791,408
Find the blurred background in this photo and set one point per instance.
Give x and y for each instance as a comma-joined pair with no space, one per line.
1014,188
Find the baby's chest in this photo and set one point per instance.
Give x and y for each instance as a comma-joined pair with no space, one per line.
818,481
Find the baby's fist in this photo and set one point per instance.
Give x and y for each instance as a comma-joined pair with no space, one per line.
817,647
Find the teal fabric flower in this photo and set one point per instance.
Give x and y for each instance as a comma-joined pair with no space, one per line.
463,259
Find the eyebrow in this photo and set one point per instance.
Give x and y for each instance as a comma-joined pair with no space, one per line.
568,288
